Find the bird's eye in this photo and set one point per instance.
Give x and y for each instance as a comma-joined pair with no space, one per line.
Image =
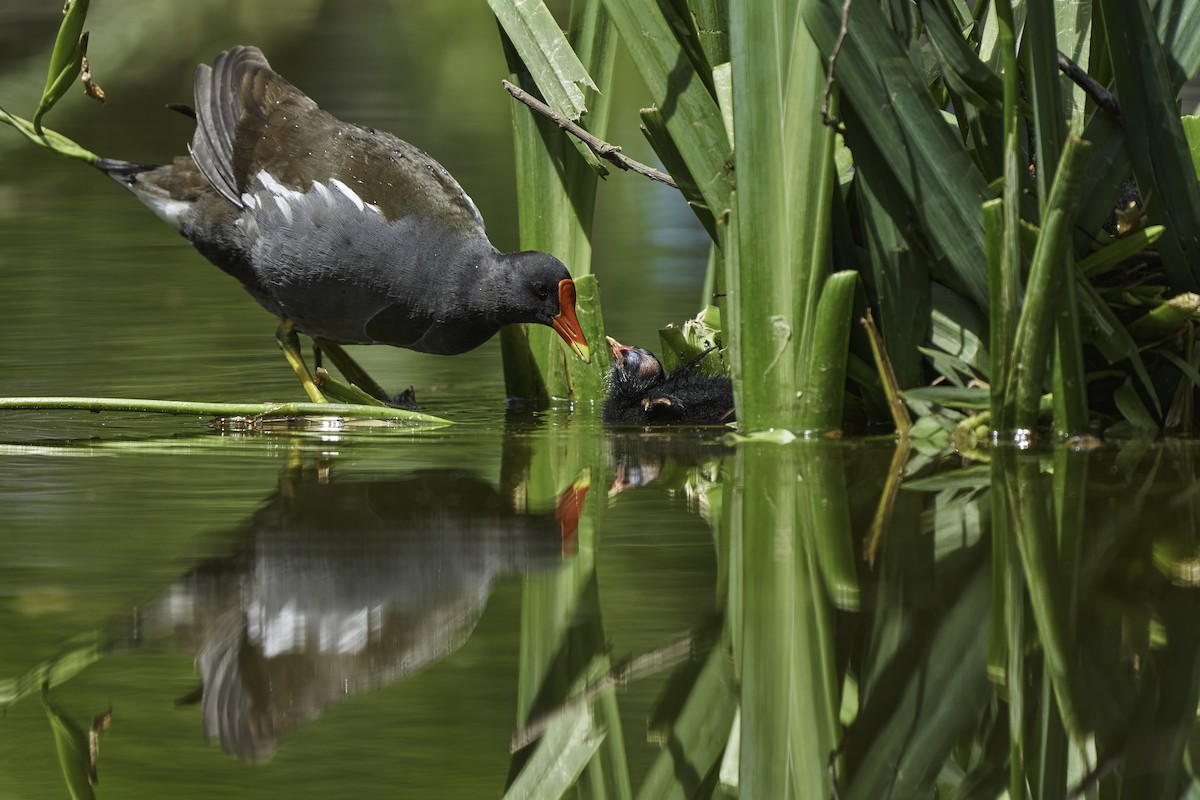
539,289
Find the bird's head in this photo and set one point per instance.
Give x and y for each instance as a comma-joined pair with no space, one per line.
548,289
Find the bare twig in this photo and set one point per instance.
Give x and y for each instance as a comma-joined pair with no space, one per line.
655,661
834,122
1091,87
609,152
887,376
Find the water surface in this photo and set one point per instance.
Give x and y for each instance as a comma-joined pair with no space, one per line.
366,612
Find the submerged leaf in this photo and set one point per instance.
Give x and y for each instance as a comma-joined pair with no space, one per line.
73,750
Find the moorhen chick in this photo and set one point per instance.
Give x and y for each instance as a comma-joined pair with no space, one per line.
641,392
345,233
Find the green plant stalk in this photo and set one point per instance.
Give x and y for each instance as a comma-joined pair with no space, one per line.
1049,596
825,385
768,624
1009,281
825,578
556,193
809,147
1120,250
562,631
1042,76
538,472
1070,385
714,276
1002,304
66,60
823,512
913,648
1166,319
767,328
1070,504
1040,52
54,142
189,408
1050,780
887,379
1047,289
1014,617
1002,566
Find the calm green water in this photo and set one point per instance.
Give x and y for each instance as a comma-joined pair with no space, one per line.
380,612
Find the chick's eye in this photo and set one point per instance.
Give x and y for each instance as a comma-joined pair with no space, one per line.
539,289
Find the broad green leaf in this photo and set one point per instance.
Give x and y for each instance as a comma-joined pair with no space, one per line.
964,72
697,736
688,110
562,753
1104,330
897,118
1178,26
898,283
547,55
1134,410
681,345
956,327
904,732
958,397
1073,21
973,477
1156,142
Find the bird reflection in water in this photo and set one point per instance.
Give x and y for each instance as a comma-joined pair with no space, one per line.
346,586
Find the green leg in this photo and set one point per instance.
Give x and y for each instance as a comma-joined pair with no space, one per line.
289,342
351,369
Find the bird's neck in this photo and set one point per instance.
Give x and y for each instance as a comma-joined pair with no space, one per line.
495,292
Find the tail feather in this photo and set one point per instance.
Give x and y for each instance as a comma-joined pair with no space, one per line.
123,172
169,190
219,107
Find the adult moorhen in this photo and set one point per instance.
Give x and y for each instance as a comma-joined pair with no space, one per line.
345,233
641,392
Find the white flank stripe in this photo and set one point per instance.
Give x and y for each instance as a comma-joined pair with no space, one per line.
268,182
321,191
284,207
346,190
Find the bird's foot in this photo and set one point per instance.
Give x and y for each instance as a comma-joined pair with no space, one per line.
406,399
289,342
